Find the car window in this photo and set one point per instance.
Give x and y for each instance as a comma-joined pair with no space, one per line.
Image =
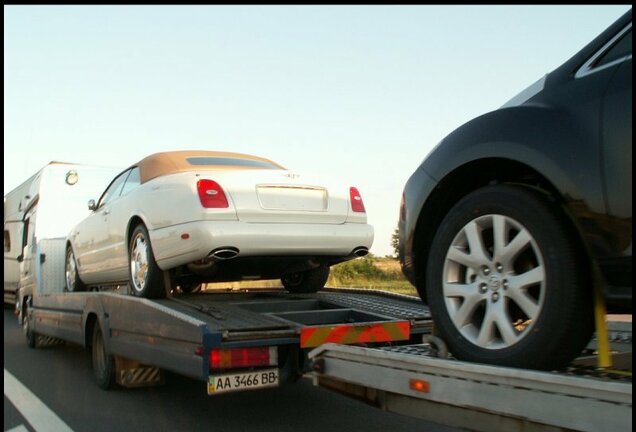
616,50
621,49
114,189
132,181
228,161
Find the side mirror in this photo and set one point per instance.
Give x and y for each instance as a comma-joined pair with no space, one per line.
20,258
92,205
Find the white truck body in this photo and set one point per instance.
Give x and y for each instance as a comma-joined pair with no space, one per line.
38,215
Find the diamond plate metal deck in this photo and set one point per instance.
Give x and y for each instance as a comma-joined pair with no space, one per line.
376,303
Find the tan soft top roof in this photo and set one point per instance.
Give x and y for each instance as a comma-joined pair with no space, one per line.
159,164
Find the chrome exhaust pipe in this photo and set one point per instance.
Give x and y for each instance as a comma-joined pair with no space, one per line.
360,251
224,253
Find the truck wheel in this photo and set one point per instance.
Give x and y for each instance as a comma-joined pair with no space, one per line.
103,363
505,283
308,281
146,278
31,336
73,281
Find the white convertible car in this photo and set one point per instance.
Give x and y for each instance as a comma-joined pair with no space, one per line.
190,217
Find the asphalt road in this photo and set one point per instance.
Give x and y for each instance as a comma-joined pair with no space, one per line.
61,377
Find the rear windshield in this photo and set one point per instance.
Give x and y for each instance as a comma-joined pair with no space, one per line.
227,161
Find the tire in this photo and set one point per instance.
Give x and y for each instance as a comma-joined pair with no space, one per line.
146,278
309,281
505,283
103,363
30,335
73,281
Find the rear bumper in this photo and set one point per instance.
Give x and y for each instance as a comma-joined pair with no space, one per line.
255,239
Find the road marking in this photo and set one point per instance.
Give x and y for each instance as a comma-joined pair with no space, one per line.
39,416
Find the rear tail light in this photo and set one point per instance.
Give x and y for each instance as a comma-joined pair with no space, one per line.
356,200
234,358
211,194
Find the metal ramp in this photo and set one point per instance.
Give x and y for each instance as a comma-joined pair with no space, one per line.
408,380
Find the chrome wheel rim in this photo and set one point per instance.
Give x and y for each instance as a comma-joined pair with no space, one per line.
494,281
139,262
71,271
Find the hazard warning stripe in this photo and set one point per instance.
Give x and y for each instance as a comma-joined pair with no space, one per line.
141,375
348,334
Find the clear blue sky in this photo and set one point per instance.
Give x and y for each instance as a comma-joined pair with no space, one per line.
361,93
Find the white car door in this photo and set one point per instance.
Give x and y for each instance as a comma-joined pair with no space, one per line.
91,237
117,221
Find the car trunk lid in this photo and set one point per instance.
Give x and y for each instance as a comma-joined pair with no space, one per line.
280,196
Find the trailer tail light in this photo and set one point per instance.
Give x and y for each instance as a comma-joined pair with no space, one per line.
356,200
243,357
211,194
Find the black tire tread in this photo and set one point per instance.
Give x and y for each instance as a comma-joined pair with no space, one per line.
106,378
312,281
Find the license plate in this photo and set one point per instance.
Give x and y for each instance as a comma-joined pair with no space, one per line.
292,198
242,381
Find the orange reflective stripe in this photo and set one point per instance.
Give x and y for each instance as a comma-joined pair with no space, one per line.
351,334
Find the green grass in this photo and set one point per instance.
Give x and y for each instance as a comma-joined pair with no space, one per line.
365,273
371,273
399,287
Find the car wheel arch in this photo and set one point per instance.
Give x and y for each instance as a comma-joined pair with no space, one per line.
68,246
454,186
132,223
94,315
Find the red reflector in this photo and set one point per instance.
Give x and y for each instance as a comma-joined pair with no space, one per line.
211,194
185,236
420,385
356,200
243,357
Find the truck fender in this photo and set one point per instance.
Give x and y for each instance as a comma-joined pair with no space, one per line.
95,314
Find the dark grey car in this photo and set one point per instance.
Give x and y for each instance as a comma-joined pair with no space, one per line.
514,218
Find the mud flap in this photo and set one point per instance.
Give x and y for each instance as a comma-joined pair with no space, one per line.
47,341
131,373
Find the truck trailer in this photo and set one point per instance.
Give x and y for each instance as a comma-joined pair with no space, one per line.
423,380
230,340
